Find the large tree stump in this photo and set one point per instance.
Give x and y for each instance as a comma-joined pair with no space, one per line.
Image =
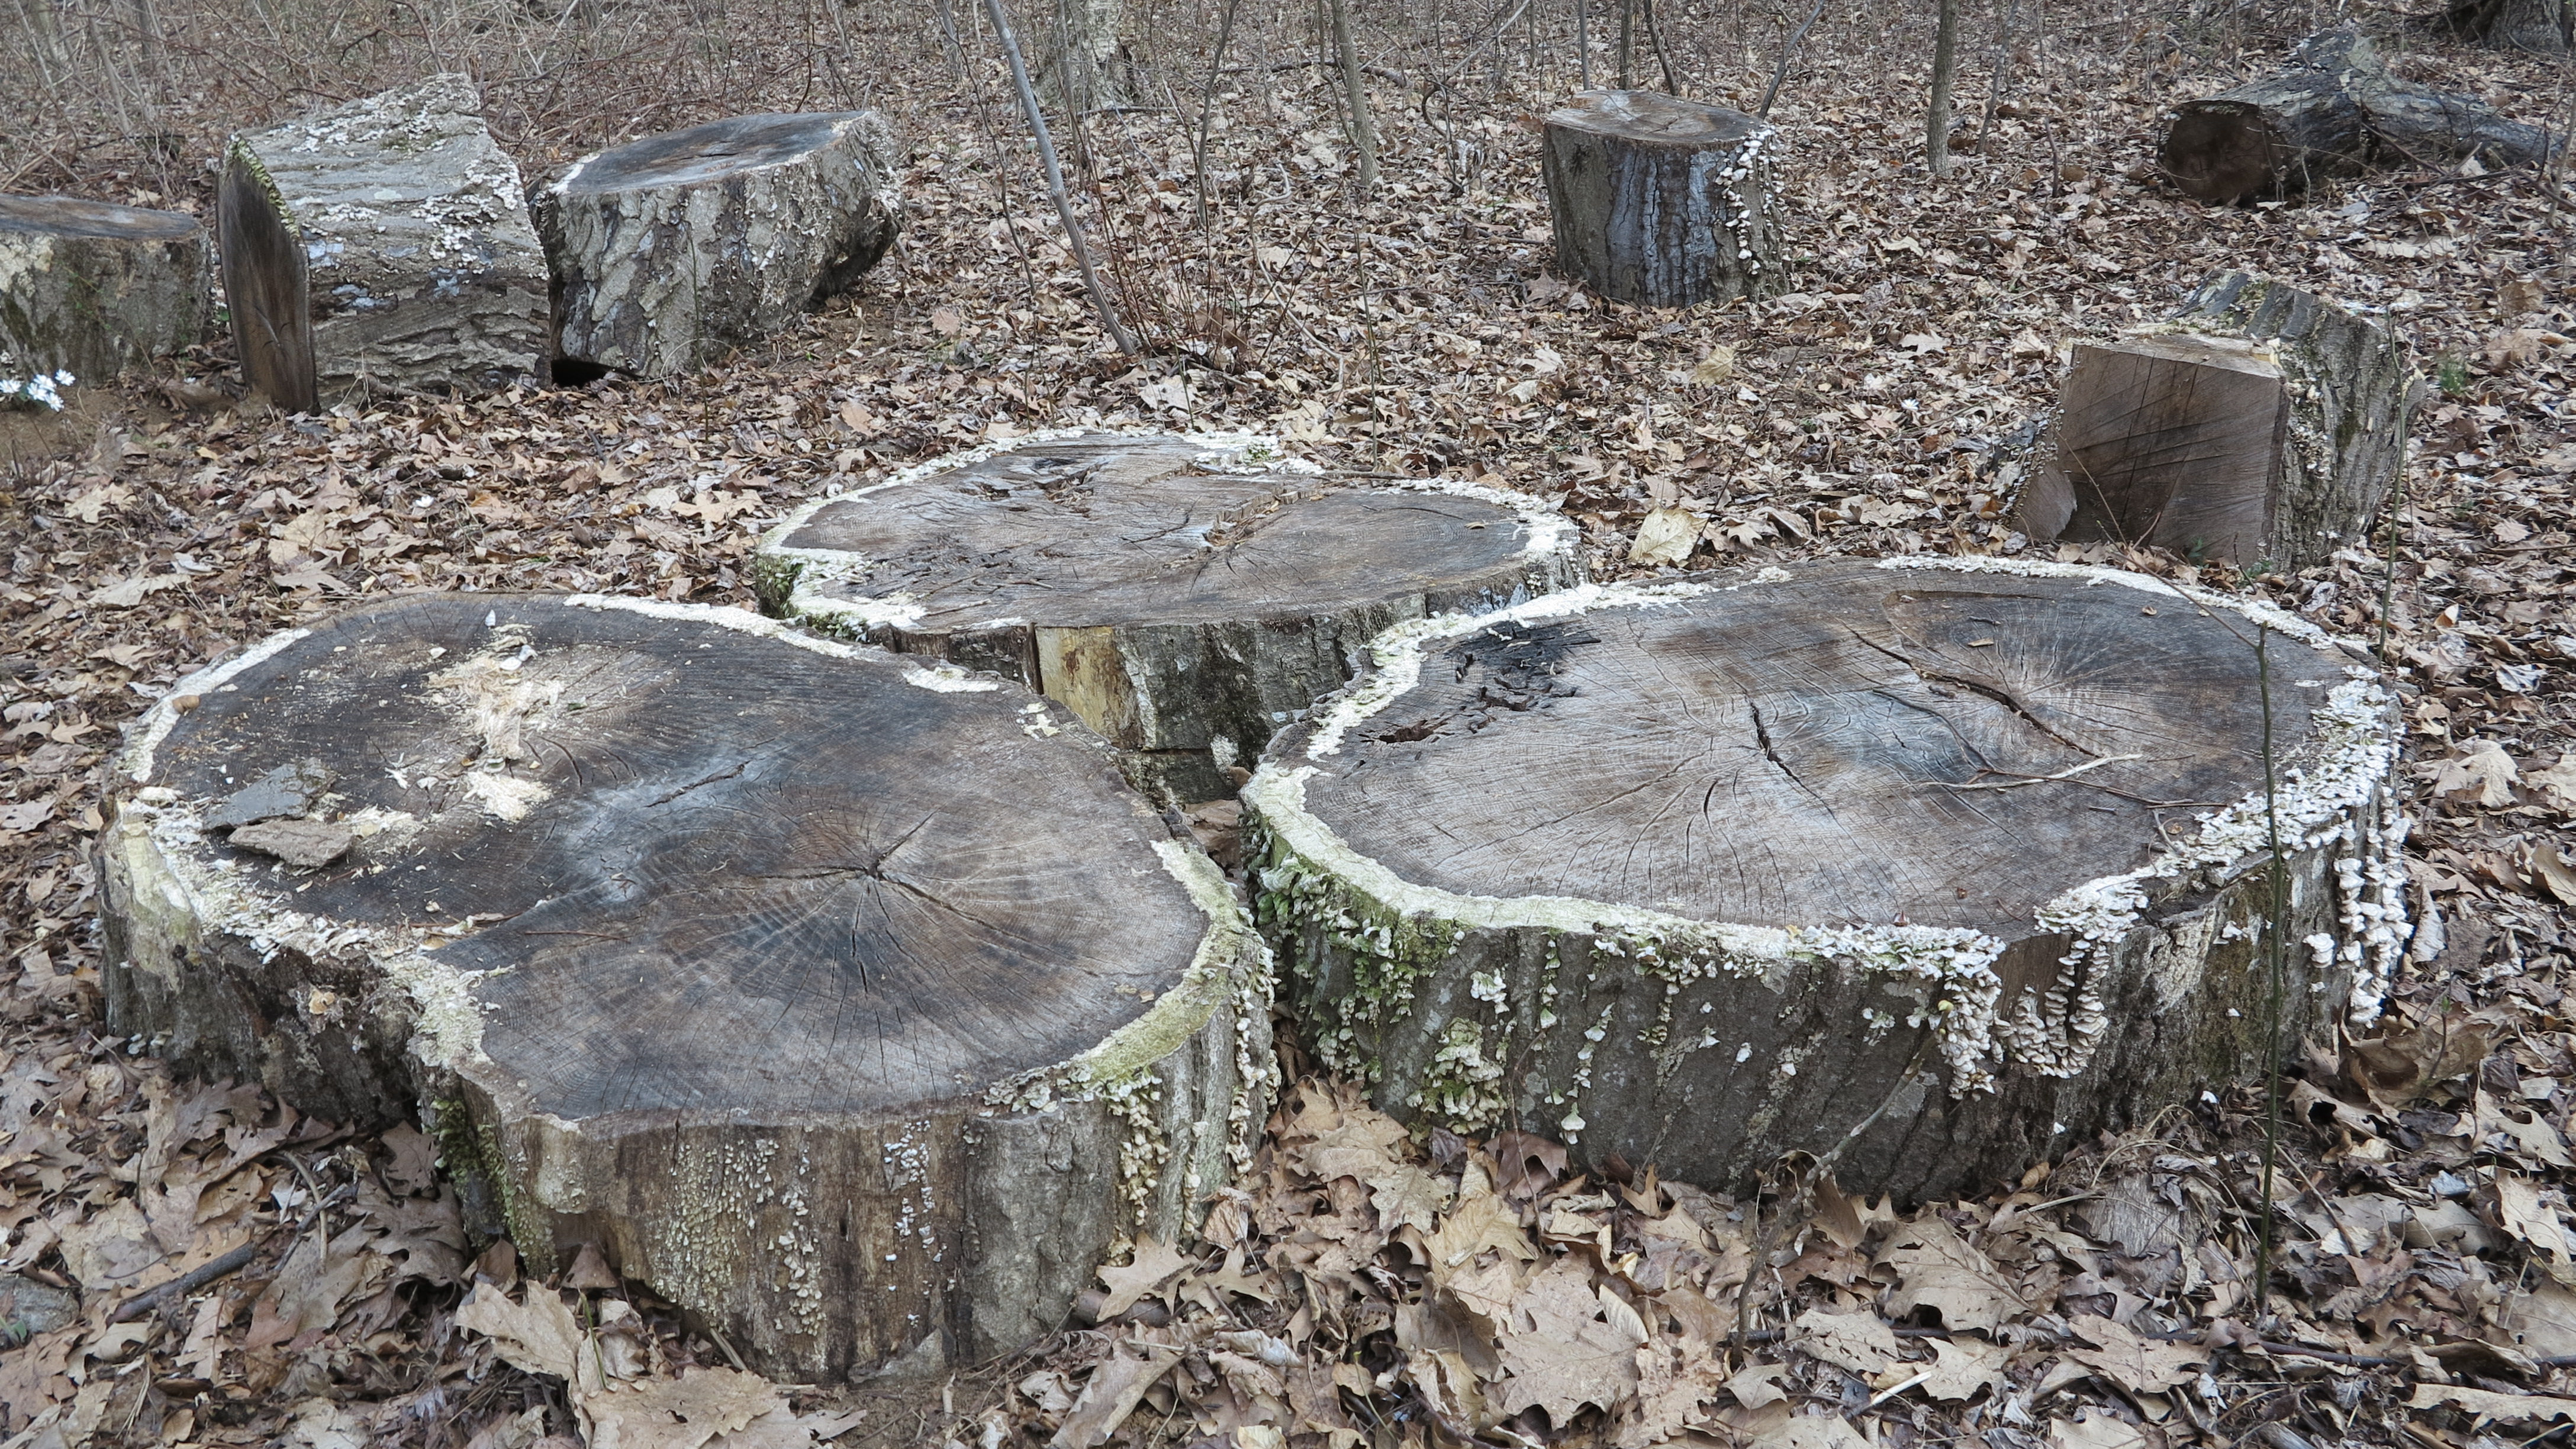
2548,26
1182,595
1706,872
381,247
671,251
1663,202
2335,111
91,288
852,1004
2261,426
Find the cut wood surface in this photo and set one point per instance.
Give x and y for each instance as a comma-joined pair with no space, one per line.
2333,111
92,288
1706,872
1182,594
1663,202
672,251
851,1003
2262,426
381,247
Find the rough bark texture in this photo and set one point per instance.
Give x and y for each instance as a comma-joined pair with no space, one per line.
2335,111
1689,872
672,251
1081,60
690,936
91,288
2261,425
1661,201
381,247
1182,595
2541,25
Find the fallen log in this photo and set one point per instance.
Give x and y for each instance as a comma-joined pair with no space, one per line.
2261,427
1663,202
1184,595
684,935
382,247
2334,111
1708,872
672,251
92,288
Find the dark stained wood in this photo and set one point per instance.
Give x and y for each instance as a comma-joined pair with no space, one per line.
671,251
1176,605
2333,111
2262,426
266,283
815,988
92,288
1670,874
1661,201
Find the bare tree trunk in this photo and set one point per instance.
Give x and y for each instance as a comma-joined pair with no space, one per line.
1109,322
1945,67
1363,133
1583,39
1627,29
1655,38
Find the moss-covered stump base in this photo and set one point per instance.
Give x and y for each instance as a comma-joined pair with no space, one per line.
2261,426
672,251
1706,872
855,1006
381,247
1661,201
92,288
1184,595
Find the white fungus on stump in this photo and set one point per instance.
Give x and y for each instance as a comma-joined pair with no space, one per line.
672,251
1706,872
854,1006
92,288
1182,594
1663,202
382,247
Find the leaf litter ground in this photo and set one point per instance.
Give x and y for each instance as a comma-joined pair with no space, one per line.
197,1263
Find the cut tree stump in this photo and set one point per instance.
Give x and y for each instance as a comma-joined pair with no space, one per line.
2260,426
672,251
1663,202
2548,26
383,247
1184,595
1707,872
91,288
853,1004
2335,111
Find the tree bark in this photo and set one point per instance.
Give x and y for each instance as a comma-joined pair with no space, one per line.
92,289
1688,872
381,247
1182,595
1355,91
2548,26
1663,202
1080,64
2335,111
1945,68
672,251
685,936
2261,427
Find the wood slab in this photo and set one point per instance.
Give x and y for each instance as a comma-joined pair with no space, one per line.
92,288
1707,872
852,1004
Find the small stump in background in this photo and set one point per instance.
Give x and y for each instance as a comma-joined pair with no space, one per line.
381,247
91,288
1182,595
671,251
2260,426
1703,873
2333,111
1663,202
852,1004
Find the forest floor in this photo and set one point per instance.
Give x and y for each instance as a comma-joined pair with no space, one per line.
2423,1256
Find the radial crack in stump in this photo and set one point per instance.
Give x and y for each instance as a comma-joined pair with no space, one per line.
1184,595
383,246
92,288
1706,872
857,1008
1663,202
672,251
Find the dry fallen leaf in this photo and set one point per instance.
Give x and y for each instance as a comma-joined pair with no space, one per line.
2481,774
1939,1269
1562,1350
2525,1210
1962,1366
1666,538
2138,1364
1860,1342
1153,1265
